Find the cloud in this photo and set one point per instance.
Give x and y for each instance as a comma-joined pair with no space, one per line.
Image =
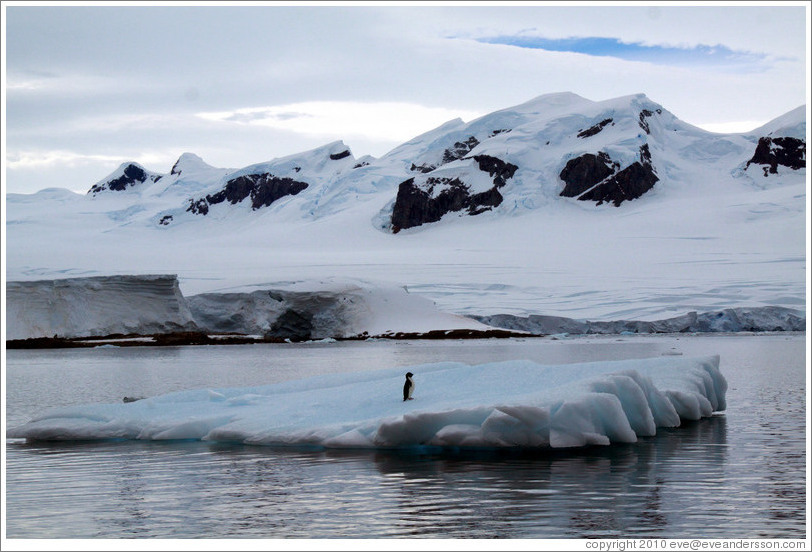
53,159
701,55
389,121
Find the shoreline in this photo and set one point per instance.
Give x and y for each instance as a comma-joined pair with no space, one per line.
206,338
203,338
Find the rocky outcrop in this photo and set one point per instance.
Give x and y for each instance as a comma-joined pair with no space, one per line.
594,129
459,149
784,151
415,205
585,171
499,170
644,115
433,197
422,168
596,178
628,184
340,155
263,190
127,176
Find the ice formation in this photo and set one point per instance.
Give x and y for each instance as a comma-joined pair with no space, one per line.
103,305
153,304
507,404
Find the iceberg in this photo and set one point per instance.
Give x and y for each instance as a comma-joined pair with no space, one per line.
510,404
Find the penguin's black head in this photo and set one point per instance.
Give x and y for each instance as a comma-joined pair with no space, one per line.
409,374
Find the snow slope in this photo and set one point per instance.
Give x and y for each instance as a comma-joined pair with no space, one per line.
509,404
711,233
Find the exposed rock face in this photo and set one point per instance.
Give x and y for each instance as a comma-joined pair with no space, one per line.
263,189
595,178
784,151
340,155
581,173
415,206
645,114
594,129
499,170
460,149
630,183
423,168
427,201
132,176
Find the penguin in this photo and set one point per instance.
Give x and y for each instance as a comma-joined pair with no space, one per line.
408,387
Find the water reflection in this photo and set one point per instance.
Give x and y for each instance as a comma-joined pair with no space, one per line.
664,486
601,492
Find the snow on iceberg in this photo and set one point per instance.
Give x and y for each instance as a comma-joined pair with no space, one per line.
506,404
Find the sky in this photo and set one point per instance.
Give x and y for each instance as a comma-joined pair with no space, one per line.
90,86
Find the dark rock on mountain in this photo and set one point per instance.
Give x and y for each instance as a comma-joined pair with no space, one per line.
132,176
415,206
459,150
424,168
594,129
263,189
340,155
499,170
594,178
630,183
499,131
645,114
581,173
418,204
198,207
784,151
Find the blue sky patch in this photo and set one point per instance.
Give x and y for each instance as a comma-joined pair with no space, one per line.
718,57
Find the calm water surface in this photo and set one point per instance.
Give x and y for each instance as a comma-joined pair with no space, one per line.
739,474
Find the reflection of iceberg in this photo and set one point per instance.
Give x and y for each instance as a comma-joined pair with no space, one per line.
508,404
607,492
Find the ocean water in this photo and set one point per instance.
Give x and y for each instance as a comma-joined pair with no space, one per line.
739,474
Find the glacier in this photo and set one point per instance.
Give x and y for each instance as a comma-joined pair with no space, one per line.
146,305
96,305
305,310
510,404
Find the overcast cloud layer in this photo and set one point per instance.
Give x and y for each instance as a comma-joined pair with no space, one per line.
89,87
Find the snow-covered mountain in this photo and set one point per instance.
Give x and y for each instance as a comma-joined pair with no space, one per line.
559,206
551,148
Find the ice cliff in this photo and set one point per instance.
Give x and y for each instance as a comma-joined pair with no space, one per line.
96,306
